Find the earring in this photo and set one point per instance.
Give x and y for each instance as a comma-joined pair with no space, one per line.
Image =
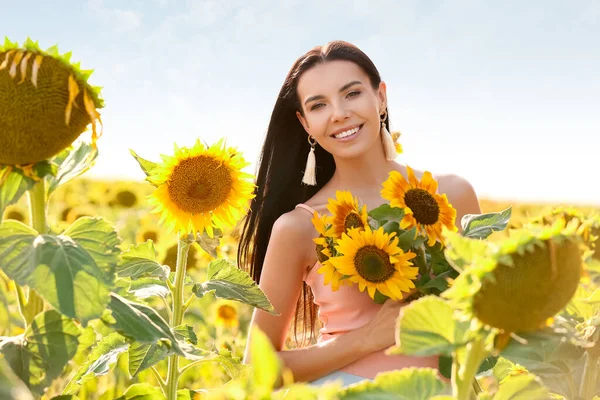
309,172
389,148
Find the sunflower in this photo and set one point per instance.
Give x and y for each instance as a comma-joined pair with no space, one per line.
374,261
226,315
345,214
517,285
124,196
201,188
397,145
324,249
17,213
45,103
423,207
170,257
148,232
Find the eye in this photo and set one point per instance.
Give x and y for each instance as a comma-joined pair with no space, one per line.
315,106
353,93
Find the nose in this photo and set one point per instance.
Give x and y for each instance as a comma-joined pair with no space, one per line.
340,113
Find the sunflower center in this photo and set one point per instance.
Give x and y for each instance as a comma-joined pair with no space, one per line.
353,220
373,264
423,205
227,312
152,235
199,184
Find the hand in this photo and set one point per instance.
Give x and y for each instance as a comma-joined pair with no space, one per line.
380,332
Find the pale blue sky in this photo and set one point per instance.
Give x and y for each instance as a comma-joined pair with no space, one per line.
505,93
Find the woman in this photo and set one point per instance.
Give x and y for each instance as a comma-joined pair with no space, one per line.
332,103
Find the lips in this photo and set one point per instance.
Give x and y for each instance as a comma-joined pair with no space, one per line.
346,136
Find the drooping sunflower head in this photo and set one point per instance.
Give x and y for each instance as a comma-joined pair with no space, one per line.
345,214
46,102
374,261
423,206
201,188
521,282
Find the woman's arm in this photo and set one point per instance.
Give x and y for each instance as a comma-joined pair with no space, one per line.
288,255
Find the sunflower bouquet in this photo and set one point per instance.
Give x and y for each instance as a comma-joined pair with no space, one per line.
395,250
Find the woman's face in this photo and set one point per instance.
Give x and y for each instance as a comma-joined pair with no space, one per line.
341,108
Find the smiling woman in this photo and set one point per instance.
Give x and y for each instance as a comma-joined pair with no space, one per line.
333,107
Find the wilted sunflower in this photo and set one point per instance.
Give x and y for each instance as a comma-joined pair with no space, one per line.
423,206
201,188
526,279
324,251
374,261
45,103
345,214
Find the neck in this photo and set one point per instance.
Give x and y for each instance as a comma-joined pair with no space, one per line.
362,174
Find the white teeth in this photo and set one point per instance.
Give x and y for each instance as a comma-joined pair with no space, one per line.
346,133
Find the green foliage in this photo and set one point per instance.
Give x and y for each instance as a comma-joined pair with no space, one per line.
12,188
406,384
145,165
71,163
98,363
226,281
42,351
140,261
60,268
480,226
426,327
142,391
522,387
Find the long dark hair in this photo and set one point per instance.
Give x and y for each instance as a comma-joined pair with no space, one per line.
280,169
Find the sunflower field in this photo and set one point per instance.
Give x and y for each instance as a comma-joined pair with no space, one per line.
130,290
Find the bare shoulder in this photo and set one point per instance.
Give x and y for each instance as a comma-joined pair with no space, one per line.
295,231
460,193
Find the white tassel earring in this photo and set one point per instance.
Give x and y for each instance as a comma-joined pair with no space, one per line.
309,172
389,148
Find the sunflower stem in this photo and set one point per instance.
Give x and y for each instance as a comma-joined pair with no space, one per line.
183,247
37,205
188,302
463,375
590,373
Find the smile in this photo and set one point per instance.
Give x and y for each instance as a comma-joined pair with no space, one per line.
348,133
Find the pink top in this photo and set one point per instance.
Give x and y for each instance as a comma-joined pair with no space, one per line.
347,309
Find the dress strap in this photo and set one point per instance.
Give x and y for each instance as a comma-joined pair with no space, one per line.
307,208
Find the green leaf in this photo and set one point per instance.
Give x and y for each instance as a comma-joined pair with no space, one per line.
426,327
140,261
71,164
229,282
186,333
4,313
437,259
99,361
209,244
188,394
462,252
11,387
409,239
142,391
100,239
142,356
141,323
12,188
147,166
57,267
265,362
405,384
40,354
147,287
520,387
385,213
65,397
480,226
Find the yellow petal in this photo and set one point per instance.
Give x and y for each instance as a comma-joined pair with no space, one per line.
24,67
5,62
37,63
15,64
73,92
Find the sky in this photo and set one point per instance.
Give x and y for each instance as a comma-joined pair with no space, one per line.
503,93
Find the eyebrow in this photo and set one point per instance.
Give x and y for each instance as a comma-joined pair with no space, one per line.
320,96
